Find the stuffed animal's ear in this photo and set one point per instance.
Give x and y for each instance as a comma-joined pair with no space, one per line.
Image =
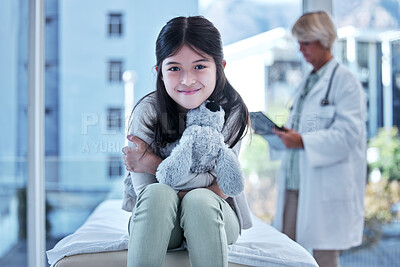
214,107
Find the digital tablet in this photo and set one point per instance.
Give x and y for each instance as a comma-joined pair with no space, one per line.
262,124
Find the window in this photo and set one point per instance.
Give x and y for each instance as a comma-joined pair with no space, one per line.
114,119
13,138
114,167
281,80
115,71
115,24
70,190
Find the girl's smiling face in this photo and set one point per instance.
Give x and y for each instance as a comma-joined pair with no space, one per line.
189,77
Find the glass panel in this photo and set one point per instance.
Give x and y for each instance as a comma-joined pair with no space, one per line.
369,36
90,62
13,134
84,112
262,61
265,67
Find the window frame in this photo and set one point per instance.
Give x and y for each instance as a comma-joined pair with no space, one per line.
114,118
36,241
115,70
115,169
115,24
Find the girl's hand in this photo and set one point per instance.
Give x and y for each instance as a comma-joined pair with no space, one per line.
140,158
215,188
290,138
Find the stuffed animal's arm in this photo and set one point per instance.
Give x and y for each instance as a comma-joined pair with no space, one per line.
178,164
229,174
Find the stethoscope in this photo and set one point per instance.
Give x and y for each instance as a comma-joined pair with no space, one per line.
325,101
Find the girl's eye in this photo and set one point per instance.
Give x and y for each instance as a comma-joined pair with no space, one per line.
174,69
199,67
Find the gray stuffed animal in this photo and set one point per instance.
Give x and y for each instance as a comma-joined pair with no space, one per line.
200,150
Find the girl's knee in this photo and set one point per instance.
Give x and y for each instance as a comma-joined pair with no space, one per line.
201,213
200,201
158,193
157,189
156,201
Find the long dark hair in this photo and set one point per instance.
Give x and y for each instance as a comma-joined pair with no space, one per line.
199,34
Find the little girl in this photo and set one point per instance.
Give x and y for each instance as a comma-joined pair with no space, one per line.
190,70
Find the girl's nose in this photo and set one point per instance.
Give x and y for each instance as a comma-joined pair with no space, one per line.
188,78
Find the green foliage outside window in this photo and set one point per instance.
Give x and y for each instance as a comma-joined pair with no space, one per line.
388,143
383,186
260,173
254,158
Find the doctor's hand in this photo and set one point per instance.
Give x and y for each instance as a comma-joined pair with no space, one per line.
140,158
290,138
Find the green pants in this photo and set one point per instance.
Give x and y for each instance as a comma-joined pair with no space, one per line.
161,221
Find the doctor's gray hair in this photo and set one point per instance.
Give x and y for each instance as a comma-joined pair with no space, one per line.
315,26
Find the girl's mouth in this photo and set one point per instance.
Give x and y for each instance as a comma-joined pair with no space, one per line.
189,91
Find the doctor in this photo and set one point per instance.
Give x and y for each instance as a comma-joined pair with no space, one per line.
322,178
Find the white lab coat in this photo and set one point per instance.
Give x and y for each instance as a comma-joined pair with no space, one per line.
332,164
